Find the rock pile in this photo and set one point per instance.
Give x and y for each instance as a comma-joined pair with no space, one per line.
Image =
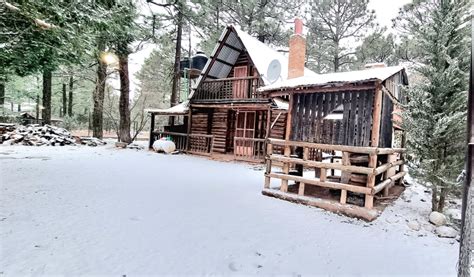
37,135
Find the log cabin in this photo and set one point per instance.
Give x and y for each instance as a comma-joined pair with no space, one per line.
332,141
343,144
225,115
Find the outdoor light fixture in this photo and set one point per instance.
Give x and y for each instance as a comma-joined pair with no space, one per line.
108,58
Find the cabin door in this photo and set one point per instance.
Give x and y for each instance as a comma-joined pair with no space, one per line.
245,128
239,87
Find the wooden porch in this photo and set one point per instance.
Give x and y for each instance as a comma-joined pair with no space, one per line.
249,149
229,89
363,172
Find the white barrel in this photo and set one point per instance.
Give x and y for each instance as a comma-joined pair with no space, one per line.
162,145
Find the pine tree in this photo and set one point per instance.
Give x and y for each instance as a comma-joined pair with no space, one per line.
435,115
337,23
377,47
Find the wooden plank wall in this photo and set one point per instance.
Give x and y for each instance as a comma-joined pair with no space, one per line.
386,124
219,130
309,110
278,130
199,121
242,60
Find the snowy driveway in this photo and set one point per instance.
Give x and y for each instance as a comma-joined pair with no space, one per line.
80,210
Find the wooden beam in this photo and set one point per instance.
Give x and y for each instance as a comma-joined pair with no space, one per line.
224,62
330,205
392,159
384,151
343,198
190,120
229,30
376,116
233,47
369,199
269,165
388,182
326,184
349,168
387,166
287,150
288,120
288,91
353,149
301,189
254,106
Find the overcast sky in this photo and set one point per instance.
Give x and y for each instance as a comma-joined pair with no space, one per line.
385,10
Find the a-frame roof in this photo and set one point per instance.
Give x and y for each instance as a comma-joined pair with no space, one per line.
228,49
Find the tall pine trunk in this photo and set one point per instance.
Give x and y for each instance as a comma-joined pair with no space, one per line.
177,58
124,111
71,85
98,96
64,108
46,111
2,93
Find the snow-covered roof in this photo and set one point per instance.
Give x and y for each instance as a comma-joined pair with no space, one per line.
378,73
280,103
262,55
226,52
179,109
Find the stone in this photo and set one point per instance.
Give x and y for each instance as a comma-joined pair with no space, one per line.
428,227
414,225
438,219
446,232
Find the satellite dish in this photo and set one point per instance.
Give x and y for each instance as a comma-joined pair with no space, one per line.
273,71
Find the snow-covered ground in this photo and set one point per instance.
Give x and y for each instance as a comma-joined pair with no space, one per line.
82,210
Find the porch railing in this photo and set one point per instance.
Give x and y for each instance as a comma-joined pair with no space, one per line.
193,143
362,170
249,149
229,89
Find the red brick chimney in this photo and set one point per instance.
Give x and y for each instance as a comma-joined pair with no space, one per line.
297,54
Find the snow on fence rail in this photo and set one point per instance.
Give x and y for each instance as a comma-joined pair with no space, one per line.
362,170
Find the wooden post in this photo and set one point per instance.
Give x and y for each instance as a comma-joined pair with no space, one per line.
343,196
390,172
188,138
305,158
305,153
269,118
376,114
301,189
287,151
322,176
375,134
369,199
269,165
152,129
345,176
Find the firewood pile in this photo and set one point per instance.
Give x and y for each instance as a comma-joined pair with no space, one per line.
37,135
6,127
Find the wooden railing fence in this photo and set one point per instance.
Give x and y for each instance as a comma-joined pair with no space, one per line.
193,143
358,167
249,149
225,88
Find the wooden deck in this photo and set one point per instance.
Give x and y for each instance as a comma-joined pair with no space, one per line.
361,171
